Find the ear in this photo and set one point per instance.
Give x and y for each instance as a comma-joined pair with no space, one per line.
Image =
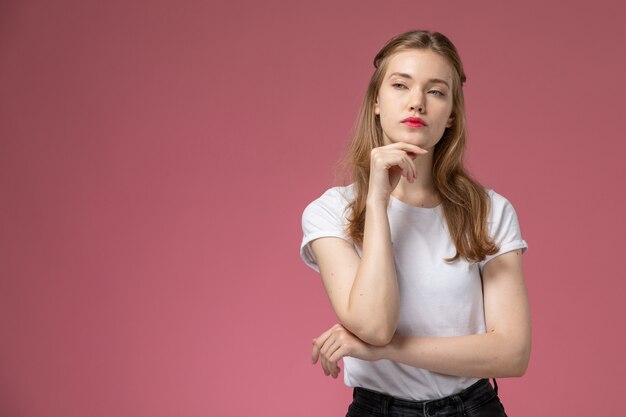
376,107
450,121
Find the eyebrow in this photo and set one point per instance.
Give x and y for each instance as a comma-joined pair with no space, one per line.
431,81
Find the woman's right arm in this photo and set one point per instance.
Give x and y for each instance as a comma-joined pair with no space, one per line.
364,291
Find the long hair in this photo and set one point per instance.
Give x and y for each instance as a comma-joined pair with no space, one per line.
465,202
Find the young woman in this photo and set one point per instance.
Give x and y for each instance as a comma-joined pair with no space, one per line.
422,265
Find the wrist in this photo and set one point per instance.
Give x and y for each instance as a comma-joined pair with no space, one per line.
376,202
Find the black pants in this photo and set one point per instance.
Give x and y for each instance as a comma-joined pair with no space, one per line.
478,400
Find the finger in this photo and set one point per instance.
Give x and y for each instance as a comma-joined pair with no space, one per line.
409,148
330,348
395,159
315,353
334,371
336,341
406,164
409,167
326,367
413,171
414,149
338,354
336,350
318,343
330,368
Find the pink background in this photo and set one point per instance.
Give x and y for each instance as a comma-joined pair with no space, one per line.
156,156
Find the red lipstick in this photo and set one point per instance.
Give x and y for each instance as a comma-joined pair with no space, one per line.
414,122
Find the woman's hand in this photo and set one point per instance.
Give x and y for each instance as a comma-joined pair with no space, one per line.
387,164
337,342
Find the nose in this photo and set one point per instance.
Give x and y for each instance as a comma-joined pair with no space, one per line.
417,103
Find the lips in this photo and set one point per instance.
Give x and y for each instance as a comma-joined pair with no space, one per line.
414,122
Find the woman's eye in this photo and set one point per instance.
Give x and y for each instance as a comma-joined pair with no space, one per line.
437,93
398,85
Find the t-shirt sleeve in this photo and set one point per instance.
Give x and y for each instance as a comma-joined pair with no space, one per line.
503,227
324,217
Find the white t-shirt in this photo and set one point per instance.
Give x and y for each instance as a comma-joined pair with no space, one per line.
436,298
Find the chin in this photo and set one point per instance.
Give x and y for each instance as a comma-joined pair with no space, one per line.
417,142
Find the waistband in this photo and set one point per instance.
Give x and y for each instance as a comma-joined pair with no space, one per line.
471,397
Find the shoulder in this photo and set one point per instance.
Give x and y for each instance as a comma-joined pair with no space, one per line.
503,225
334,201
342,194
326,216
499,204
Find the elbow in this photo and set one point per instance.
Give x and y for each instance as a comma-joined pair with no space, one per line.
517,370
375,335
518,362
512,354
522,364
375,330
514,370
382,337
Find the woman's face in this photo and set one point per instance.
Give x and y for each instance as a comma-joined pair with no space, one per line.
415,98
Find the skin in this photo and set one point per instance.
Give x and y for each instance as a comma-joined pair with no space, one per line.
409,89
364,292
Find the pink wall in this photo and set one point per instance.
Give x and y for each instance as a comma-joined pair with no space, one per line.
155,158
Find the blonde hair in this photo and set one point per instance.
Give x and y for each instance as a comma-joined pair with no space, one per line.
465,202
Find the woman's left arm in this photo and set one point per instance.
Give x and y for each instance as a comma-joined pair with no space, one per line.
503,351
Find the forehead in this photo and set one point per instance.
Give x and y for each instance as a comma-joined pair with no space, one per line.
420,64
